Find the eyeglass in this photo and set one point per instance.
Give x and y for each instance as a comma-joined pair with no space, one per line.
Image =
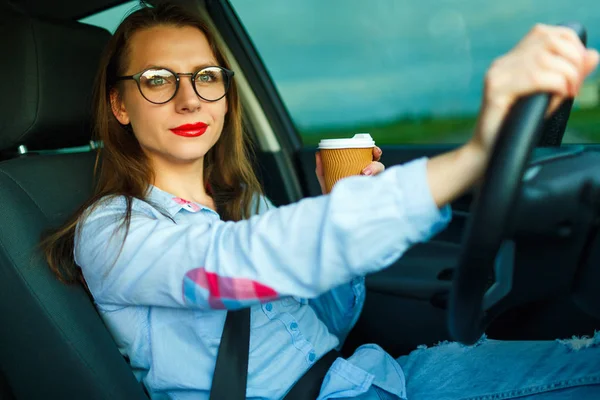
160,85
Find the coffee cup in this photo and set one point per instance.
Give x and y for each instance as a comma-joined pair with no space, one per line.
345,157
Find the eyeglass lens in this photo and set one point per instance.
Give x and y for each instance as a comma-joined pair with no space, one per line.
160,85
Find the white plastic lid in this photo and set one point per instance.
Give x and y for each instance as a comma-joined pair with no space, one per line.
358,141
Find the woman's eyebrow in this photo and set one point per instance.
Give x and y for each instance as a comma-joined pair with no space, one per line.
211,63
206,64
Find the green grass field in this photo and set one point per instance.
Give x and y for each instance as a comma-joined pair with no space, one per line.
584,127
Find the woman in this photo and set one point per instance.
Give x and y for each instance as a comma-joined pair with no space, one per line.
178,231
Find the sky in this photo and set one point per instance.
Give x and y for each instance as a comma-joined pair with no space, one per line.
346,62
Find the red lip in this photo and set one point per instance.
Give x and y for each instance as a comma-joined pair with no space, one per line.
190,130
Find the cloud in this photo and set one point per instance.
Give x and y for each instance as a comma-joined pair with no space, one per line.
339,60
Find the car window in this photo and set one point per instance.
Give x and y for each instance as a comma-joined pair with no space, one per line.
111,18
405,71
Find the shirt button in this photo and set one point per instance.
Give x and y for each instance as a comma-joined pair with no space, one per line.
312,356
269,306
293,326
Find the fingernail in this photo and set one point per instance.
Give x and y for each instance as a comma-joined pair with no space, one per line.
367,172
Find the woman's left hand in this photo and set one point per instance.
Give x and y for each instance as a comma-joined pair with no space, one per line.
372,169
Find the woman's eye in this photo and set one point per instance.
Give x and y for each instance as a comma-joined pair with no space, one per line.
205,78
157,81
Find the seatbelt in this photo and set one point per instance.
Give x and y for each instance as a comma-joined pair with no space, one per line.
231,370
308,386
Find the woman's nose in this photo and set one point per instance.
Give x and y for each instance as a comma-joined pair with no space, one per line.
186,98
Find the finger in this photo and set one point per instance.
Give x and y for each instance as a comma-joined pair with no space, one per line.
373,169
319,164
590,64
565,32
319,171
571,72
592,58
548,82
554,105
569,34
377,152
563,42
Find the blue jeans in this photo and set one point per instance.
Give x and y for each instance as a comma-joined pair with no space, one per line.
491,369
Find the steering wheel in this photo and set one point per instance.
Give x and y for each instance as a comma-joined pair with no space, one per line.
491,210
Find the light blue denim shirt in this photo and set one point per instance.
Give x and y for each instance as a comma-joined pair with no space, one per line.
164,289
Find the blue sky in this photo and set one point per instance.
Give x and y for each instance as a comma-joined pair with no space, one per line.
347,61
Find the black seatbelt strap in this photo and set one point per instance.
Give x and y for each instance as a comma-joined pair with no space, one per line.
308,386
231,369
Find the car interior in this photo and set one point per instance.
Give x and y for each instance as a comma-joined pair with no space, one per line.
541,206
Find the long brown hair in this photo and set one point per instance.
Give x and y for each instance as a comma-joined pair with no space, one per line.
122,168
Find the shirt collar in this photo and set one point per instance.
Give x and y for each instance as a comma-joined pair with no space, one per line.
173,204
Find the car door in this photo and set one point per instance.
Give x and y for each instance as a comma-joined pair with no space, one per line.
411,75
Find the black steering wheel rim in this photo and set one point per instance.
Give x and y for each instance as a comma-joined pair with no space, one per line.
491,210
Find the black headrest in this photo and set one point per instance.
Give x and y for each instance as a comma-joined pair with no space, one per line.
47,73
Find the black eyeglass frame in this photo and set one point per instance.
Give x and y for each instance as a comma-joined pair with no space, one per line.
136,77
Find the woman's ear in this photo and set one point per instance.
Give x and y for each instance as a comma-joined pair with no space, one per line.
118,108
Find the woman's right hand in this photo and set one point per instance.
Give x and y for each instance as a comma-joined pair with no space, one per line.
548,59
